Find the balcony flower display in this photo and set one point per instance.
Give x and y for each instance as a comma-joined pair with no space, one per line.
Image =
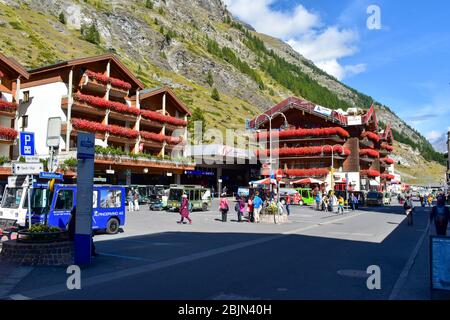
156,116
100,77
369,152
291,133
92,126
387,147
371,136
387,176
313,172
105,104
8,133
304,151
388,160
7,106
370,173
160,137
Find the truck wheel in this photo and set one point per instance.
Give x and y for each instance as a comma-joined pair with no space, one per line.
113,226
205,207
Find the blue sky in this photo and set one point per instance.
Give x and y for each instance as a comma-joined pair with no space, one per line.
404,65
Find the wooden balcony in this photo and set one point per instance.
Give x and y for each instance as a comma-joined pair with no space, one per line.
122,116
151,143
82,107
151,123
118,92
126,162
92,85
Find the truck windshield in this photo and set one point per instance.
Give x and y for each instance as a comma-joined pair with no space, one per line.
39,201
12,198
175,194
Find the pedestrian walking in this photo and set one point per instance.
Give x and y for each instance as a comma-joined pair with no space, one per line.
184,209
136,200
238,208
318,201
430,200
325,203
340,205
224,207
440,214
288,204
130,200
251,217
257,206
409,210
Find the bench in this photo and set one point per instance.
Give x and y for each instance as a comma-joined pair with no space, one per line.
7,228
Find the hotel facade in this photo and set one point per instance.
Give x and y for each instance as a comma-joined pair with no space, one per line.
139,132
343,149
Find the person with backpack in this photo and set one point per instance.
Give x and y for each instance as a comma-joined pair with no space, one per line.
340,205
224,206
409,209
184,209
239,208
440,214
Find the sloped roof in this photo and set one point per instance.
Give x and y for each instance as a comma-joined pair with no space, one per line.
80,61
146,93
13,66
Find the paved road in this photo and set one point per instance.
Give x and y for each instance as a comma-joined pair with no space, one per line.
315,256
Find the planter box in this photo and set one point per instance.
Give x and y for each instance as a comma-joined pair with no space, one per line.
273,219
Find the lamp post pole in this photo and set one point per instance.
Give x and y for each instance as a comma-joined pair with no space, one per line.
332,162
270,118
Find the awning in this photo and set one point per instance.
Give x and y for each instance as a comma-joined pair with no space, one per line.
374,183
266,181
308,181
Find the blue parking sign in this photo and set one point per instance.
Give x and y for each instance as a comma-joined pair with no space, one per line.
27,144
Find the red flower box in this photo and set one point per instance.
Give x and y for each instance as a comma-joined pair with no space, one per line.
370,173
304,151
156,116
7,106
369,152
388,160
160,137
387,147
314,172
371,136
8,133
307,133
92,126
100,77
105,104
387,176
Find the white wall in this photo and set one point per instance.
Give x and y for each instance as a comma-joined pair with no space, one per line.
45,103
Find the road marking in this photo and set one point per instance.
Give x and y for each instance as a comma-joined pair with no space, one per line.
352,234
95,280
125,257
18,297
407,268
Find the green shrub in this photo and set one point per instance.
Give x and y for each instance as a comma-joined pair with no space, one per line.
215,94
62,18
149,4
42,228
90,33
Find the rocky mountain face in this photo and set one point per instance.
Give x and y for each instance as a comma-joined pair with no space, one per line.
191,45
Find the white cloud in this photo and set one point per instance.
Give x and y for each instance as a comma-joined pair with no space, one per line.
305,32
433,135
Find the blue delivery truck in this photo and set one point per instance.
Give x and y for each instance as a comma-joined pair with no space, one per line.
108,207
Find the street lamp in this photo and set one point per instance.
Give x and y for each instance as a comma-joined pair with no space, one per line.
285,125
332,160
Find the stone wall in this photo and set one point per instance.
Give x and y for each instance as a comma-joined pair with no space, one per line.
38,254
273,219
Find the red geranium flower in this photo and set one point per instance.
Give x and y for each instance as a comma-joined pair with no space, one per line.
307,133
7,106
370,173
371,136
369,152
8,133
314,172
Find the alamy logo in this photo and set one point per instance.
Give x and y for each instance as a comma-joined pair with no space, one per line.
74,280
374,20
374,280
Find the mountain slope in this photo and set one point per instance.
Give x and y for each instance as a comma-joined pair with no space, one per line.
192,46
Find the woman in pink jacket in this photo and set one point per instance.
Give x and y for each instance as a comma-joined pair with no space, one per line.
184,209
224,207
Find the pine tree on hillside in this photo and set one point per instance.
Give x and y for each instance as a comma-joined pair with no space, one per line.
215,94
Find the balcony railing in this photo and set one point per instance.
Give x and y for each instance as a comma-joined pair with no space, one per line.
8,109
305,133
305,151
99,82
7,135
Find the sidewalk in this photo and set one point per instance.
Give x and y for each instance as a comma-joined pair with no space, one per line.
417,285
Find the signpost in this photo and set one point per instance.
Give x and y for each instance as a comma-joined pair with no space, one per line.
51,175
83,225
26,141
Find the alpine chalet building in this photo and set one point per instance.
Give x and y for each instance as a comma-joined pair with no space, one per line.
337,147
